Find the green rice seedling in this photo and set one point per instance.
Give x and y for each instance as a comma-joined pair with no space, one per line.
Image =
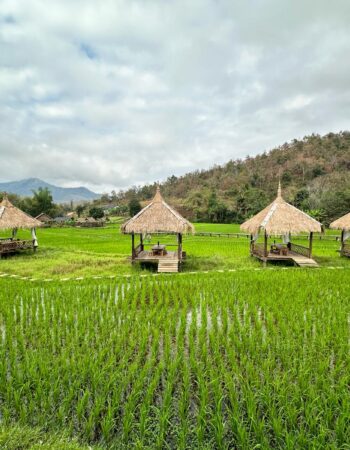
234,360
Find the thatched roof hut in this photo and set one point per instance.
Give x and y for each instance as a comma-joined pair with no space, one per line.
12,217
44,218
89,222
280,218
343,224
83,220
157,217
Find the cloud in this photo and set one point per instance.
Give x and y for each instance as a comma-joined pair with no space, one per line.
117,93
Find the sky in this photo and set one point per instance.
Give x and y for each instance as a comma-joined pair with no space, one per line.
110,94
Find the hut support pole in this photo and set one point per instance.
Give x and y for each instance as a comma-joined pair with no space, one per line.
265,245
132,246
310,244
179,246
342,242
14,233
35,240
141,242
251,244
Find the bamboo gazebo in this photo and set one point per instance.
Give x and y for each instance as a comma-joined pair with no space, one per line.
281,219
343,224
158,218
12,218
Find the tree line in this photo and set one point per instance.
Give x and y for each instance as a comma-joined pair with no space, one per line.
314,173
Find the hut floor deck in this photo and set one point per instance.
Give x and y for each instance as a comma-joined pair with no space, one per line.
166,263
299,260
8,246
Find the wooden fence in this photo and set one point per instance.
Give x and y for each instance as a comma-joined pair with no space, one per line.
321,237
300,250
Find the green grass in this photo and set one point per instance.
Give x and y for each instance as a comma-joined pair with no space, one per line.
27,438
192,361
84,252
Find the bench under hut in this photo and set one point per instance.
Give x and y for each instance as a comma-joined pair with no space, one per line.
280,219
158,218
343,224
13,219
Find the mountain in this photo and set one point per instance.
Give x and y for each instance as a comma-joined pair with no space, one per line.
314,172
25,188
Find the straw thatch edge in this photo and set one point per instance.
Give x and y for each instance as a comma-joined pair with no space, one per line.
343,223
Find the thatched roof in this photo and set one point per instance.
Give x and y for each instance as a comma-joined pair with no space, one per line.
343,223
281,218
86,220
12,217
43,217
157,217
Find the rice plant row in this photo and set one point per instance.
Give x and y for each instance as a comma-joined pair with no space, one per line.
253,360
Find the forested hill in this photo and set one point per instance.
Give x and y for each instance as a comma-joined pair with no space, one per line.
314,172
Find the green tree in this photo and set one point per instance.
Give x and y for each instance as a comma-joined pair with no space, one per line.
134,206
42,202
336,204
96,213
318,214
217,211
79,209
301,198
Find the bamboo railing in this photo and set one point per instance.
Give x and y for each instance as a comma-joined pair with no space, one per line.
258,249
10,246
300,250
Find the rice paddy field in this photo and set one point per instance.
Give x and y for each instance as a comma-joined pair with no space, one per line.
240,359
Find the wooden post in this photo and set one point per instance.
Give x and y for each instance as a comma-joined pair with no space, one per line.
265,244
132,247
251,245
14,233
179,246
310,244
342,242
141,242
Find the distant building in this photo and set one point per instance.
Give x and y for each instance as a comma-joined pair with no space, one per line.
44,218
89,222
72,215
60,220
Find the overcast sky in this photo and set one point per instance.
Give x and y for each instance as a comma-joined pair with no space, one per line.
109,94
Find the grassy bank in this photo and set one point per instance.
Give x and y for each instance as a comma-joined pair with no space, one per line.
76,252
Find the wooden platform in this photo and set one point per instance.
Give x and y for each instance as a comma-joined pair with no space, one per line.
298,260
168,263
168,266
12,246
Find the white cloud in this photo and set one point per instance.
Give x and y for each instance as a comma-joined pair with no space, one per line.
115,93
298,102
